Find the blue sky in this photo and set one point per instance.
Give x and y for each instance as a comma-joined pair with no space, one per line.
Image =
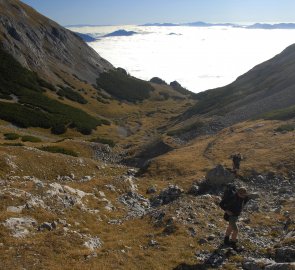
100,12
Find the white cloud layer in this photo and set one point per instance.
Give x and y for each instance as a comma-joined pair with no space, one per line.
198,58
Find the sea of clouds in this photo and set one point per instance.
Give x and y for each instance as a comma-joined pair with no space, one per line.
200,58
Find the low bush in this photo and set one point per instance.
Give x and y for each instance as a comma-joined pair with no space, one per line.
285,128
11,136
13,144
60,150
109,142
58,129
70,94
31,139
123,86
101,100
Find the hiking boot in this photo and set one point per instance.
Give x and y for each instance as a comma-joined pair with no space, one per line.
234,244
227,241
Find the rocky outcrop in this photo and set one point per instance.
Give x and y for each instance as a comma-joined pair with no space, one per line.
43,46
167,195
219,176
20,227
285,254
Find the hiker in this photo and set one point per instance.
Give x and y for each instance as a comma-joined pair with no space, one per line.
232,203
236,162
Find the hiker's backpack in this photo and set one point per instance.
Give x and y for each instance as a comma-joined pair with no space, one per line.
228,194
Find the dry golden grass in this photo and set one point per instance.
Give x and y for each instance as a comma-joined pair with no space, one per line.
263,150
126,246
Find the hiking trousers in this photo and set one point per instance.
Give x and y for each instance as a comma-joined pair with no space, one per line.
232,220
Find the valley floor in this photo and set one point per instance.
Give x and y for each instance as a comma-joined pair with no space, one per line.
89,212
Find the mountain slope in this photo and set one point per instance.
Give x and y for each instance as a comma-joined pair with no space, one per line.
43,46
267,87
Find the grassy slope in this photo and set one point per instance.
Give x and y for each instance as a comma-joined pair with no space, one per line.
263,148
268,78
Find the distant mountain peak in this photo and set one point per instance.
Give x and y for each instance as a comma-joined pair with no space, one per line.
120,33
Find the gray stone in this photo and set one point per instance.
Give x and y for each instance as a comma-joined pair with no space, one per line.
211,237
110,187
202,241
15,209
153,243
167,195
285,254
194,190
132,171
136,203
151,190
280,266
219,176
192,231
20,227
93,243
45,226
256,264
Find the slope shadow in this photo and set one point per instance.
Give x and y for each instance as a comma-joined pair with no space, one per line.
215,259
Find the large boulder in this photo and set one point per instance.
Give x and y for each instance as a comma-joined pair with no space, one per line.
219,176
285,254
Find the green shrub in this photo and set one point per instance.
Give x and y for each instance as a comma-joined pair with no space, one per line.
47,85
123,86
31,139
11,136
285,128
4,96
84,130
70,94
34,108
60,150
101,100
13,144
109,142
58,129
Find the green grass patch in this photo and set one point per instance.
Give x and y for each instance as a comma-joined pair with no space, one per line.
123,86
60,150
33,139
109,142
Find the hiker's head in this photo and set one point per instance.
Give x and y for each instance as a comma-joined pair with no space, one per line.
242,192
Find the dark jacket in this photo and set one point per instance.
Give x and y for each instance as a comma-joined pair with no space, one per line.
234,204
